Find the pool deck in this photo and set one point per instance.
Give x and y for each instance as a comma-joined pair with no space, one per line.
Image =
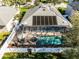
42,33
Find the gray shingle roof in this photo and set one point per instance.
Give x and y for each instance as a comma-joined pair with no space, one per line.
6,13
50,10
75,5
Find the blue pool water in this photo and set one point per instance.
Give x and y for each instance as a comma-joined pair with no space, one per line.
49,40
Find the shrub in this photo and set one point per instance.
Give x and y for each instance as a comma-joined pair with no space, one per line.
62,10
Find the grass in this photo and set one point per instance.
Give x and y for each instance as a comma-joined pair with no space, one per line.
23,9
9,56
13,55
3,35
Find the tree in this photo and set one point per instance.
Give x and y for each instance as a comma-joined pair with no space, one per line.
15,2
55,1
71,54
37,2
72,37
44,56
29,56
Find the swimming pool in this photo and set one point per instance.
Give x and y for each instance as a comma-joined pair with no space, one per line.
49,40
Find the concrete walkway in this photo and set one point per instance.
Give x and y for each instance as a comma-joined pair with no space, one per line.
36,50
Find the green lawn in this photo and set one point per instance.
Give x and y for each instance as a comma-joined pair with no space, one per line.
9,56
3,35
23,9
13,55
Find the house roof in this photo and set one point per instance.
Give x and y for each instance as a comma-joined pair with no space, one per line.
75,5
6,13
50,10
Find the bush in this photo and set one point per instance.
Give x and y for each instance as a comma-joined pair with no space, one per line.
21,14
62,10
23,9
29,56
44,1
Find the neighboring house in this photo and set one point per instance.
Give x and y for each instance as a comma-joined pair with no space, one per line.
72,7
75,5
6,17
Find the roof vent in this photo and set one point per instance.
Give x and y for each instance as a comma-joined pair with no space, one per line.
43,9
39,6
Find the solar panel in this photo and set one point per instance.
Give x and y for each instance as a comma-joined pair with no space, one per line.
34,20
44,20
38,20
54,20
50,20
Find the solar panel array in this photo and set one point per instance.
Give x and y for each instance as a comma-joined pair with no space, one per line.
44,20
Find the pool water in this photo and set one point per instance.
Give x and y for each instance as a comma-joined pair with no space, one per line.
49,40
